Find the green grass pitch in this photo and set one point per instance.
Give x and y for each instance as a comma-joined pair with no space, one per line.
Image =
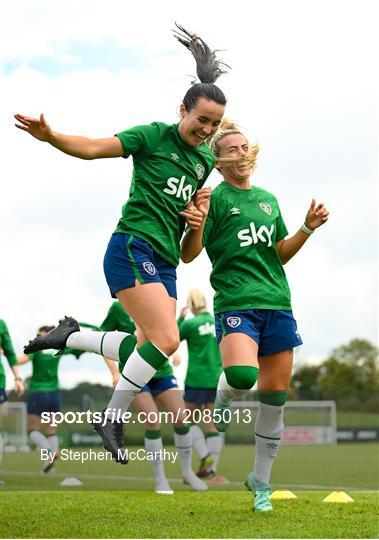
119,502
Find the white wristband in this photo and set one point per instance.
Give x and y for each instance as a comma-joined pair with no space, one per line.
306,230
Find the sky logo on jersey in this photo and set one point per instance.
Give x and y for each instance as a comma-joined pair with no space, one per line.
177,187
253,236
149,268
233,322
235,211
207,328
266,208
199,171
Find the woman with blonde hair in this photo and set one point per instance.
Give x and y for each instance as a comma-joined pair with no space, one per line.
246,240
203,371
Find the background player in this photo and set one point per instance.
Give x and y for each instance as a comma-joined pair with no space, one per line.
203,372
6,349
44,396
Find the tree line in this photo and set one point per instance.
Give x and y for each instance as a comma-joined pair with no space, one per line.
349,376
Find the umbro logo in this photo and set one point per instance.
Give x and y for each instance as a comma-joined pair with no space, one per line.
235,211
175,156
266,208
271,445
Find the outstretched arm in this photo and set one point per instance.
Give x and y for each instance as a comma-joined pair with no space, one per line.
73,145
23,359
316,216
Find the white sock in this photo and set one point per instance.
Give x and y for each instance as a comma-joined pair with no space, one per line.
136,373
183,445
225,392
54,442
156,447
105,343
198,441
268,434
214,445
39,440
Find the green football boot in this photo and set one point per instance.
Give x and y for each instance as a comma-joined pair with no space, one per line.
261,493
204,467
222,415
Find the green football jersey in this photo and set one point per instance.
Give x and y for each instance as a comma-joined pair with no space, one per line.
240,234
45,372
7,348
204,358
118,319
166,173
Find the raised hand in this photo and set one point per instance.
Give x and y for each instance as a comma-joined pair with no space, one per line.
316,216
184,311
192,216
37,127
202,200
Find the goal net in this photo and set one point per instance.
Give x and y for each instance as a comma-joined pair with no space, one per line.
306,422
13,425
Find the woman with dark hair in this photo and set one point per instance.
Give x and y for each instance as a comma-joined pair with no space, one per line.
171,164
255,327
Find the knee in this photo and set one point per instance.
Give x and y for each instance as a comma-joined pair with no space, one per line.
241,377
181,419
153,426
168,343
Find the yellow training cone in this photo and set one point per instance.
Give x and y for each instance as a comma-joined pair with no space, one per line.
283,494
338,497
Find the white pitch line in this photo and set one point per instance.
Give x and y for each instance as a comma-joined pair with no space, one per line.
177,480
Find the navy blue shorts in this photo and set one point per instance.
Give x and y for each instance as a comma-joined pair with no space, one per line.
129,258
39,402
273,330
3,396
157,386
200,396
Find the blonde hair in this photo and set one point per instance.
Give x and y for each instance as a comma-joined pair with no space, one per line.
196,300
228,127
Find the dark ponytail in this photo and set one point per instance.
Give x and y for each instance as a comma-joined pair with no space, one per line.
208,68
